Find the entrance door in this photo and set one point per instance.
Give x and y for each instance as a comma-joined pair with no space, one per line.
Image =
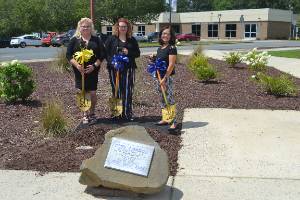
250,31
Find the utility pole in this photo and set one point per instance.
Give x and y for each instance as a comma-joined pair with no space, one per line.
92,9
170,7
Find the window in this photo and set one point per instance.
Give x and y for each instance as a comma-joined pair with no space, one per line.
230,30
141,29
109,30
250,30
196,29
213,30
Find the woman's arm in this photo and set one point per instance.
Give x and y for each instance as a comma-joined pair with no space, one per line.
135,50
70,53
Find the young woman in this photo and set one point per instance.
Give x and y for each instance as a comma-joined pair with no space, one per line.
85,37
167,52
122,42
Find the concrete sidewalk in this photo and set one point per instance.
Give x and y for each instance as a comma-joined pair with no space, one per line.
234,154
30,185
289,65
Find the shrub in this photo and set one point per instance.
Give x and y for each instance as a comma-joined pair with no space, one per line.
281,85
233,58
257,61
16,81
61,64
201,68
198,51
53,120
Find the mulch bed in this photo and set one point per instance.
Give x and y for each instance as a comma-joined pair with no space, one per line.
24,146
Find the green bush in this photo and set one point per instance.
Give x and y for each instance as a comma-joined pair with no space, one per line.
16,81
233,58
53,120
281,85
257,61
201,68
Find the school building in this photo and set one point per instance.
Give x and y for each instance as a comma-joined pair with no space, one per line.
259,24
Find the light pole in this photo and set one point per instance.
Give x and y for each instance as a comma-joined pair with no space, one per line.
242,26
259,28
170,7
219,16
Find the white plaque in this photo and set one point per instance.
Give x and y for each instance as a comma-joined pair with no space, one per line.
128,156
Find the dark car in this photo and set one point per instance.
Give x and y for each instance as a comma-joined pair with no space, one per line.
102,36
62,39
187,37
4,42
152,36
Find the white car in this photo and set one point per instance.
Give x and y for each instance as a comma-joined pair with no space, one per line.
139,37
25,40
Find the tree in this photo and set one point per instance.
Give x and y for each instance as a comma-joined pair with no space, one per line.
133,10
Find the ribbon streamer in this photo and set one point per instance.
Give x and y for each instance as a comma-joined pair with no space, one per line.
158,65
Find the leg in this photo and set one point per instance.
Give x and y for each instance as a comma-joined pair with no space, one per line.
170,98
93,102
129,92
112,79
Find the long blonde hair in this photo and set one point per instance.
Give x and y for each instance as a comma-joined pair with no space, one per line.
81,21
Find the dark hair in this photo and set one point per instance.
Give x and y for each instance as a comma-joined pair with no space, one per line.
172,34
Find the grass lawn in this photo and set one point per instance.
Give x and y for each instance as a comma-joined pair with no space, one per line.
287,54
184,43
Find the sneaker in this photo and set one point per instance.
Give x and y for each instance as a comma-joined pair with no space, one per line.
92,118
85,120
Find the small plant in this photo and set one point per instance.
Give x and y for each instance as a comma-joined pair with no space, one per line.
233,58
16,81
201,68
257,61
281,85
198,50
61,64
53,120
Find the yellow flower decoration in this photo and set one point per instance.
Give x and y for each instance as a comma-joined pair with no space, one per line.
83,56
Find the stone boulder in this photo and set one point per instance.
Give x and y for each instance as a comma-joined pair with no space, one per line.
93,172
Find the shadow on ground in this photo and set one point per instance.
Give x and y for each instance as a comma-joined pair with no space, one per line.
145,121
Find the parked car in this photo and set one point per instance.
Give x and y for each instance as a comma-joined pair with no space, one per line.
4,42
139,37
187,37
62,39
46,41
102,36
25,40
152,36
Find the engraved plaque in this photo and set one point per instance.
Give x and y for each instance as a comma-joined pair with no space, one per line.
129,156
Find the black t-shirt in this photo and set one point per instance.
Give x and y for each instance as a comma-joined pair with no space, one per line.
95,44
114,45
164,53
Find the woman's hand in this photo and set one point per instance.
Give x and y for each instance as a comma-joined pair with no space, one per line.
89,69
163,83
125,51
80,69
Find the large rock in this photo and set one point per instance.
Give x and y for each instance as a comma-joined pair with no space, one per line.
93,172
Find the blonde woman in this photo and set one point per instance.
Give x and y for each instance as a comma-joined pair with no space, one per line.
85,37
122,42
